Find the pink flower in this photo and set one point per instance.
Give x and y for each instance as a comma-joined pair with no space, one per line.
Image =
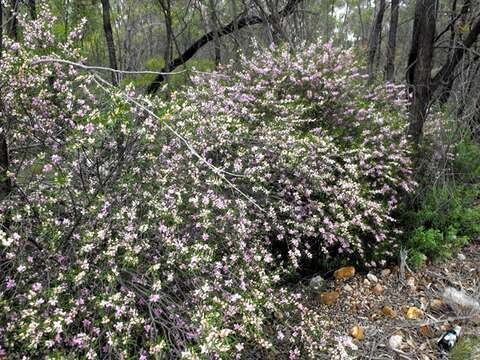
89,129
37,286
47,168
10,284
154,298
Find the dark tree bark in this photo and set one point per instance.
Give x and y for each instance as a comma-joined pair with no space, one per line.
375,36
5,182
443,81
475,122
167,14
392,41
214,23
420,65
12,20
234,25
107,27
32,7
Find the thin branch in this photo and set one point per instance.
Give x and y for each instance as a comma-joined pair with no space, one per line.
233,26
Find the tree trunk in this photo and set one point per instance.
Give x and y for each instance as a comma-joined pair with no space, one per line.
360,19
375,36
32,7
214,24
12,20
392,41
420,65
475,122
107,27
167,14
443,80
5,182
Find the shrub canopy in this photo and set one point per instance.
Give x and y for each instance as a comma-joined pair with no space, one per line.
133,233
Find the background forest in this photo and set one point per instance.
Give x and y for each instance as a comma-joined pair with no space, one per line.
171,170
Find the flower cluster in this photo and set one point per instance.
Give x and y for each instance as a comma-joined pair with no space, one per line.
323,153
137,234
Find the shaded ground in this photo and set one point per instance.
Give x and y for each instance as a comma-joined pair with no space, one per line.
419,315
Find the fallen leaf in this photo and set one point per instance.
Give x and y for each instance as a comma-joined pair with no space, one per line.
425,330
437,304
388,311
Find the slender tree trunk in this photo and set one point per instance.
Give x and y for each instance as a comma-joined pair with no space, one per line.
5,182
444,79
375,37
392,41
107,27
215,25
475,122
360,18
167,14
420,65
12,20
32,7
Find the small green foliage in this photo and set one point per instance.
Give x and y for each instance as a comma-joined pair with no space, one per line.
448,215
467,349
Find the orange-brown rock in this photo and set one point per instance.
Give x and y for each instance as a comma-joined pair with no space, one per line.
414,313
357,333
328,297
344,273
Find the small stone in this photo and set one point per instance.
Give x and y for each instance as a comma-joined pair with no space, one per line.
425,330
329,297
423,303
377,289
461,257
395,342
385,273
411,281
317,283
388,311
366,282
414,313
348,288
344,273
357,333
372,278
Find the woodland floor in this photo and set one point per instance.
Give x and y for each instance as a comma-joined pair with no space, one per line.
361,303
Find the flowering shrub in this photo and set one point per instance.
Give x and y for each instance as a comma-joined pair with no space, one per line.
134,234
323,154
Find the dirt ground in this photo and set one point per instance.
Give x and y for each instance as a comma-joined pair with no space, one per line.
372,309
